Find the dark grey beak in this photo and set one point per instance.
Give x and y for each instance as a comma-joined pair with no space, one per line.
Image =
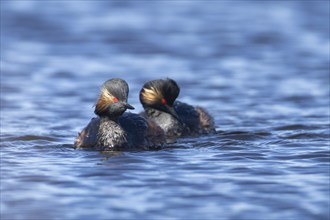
128,106
172,112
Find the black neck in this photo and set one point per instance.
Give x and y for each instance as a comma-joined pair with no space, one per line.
107,118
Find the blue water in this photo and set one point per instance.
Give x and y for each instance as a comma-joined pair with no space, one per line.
260,68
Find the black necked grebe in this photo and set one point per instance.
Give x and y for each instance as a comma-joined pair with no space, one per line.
174,117
115,130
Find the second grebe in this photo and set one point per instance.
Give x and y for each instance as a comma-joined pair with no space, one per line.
158,98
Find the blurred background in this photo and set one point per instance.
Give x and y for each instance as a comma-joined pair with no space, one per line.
261,68
69,48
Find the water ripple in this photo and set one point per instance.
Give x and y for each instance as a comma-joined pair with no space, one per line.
267,89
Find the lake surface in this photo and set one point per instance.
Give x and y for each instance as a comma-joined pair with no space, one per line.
261,69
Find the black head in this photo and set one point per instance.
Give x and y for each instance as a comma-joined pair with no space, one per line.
112,101
160,94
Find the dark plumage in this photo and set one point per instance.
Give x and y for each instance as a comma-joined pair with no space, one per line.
115,130
158,98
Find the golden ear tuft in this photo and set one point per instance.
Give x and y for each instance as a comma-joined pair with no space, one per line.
151,95
105,99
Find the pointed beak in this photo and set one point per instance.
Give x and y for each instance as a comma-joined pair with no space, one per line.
172,112
128,106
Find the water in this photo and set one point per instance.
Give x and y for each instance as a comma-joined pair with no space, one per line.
260,68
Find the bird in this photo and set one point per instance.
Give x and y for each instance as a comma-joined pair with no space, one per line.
115,129
176,118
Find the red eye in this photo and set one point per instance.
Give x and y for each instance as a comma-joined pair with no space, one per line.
115,99
164,102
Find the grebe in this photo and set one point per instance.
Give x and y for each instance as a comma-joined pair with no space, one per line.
158,98
115,130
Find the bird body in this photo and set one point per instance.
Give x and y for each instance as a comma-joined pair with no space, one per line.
115,130
158,98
